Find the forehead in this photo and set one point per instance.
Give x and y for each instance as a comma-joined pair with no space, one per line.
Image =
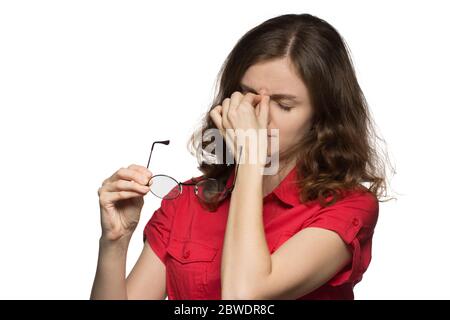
276,77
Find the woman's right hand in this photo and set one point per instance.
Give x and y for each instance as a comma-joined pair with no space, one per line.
121,201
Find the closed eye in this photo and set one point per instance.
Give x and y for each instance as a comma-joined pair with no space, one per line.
280,105
284,107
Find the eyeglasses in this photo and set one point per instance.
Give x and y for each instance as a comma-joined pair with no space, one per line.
208,190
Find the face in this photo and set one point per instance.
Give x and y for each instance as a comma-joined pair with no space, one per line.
290,111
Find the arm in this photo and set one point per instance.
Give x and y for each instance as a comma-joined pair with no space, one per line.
306,261
145,281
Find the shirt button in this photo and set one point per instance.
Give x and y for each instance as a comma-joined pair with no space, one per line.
186,254
355,222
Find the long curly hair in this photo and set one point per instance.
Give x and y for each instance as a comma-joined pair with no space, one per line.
340,152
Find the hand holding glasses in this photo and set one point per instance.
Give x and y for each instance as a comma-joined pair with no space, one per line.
208,190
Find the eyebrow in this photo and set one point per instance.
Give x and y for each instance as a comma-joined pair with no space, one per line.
278,96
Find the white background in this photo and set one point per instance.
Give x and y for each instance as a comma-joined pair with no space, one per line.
86,86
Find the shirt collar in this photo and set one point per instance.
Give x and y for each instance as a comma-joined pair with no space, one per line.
286,191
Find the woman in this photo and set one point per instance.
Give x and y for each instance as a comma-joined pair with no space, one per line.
304,232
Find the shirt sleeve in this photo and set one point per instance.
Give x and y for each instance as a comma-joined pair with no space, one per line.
353,218
157,229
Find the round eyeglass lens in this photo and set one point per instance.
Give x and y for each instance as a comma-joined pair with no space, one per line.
165,187
209,190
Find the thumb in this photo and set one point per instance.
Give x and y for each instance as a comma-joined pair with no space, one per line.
263,117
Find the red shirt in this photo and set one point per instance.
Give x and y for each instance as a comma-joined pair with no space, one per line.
188,239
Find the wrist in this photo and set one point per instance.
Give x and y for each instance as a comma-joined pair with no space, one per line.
121,243
249,174
251,158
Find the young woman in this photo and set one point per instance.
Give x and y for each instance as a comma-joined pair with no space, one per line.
304,232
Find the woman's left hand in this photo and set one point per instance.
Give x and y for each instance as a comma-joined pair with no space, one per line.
242,116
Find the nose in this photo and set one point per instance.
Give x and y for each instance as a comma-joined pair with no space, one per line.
264,91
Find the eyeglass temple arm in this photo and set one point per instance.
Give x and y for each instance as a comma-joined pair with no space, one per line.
166,142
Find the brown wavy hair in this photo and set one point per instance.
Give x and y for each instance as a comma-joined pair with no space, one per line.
340,152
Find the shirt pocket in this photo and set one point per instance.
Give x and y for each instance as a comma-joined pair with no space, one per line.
188,263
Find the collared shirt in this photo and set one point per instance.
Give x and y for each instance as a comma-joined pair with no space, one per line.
188,239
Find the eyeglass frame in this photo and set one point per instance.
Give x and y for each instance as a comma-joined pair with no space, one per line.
181,184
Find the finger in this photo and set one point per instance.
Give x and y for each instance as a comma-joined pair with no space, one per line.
130,175
263,117
125,185
225,109
235,100
251,99
216,116
116,196
227,126
141,169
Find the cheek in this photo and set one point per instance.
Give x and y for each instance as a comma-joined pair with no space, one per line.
287,134
290,124
286,125
278,117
